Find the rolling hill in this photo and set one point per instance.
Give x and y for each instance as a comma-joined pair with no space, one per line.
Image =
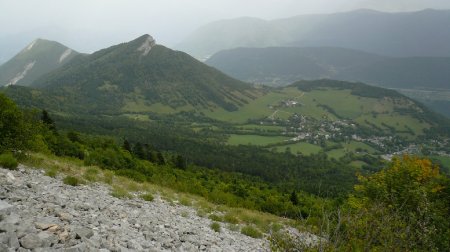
37,59
426,79
409,34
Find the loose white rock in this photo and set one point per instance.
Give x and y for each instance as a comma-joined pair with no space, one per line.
52,216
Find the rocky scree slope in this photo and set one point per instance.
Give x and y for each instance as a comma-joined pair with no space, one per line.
40,213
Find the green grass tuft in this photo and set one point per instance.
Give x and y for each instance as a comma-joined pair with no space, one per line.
51,173
252,232
8,161
120,193
215,226
73,181
147,197
214,217
91,174
230,218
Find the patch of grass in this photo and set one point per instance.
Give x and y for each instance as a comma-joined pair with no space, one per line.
230,218
252,232
52,172
91,174
215,226
275,227
8,161
201,213
120,193
108,177
147,197
233,227
185,201
215,217
70,180
184,214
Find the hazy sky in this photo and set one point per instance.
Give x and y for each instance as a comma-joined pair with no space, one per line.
88,25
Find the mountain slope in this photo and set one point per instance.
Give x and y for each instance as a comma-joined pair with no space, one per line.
422,33
38,58
142,76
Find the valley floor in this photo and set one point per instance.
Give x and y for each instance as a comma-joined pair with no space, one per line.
41,213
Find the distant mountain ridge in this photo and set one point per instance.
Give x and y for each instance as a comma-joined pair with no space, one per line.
408,34
280,66
38,58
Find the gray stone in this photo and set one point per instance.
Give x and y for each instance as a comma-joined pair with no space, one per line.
43,226
12,218
47,239
77,248
31,241
7,227
23,250
5,208
3,247
48,250
83,232
4,238
13,241
64,216
10,177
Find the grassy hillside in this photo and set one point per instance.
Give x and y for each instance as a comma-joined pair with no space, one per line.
341,119
334,101
37,59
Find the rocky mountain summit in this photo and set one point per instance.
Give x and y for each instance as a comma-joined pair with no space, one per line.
35,60
40,213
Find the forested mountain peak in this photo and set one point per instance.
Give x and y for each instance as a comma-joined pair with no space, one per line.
139,74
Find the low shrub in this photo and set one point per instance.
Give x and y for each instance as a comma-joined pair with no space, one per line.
91,174
73,181
215,226
121,193
51,173
147,197
230,218
8,161
132,174
252,232
215,217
